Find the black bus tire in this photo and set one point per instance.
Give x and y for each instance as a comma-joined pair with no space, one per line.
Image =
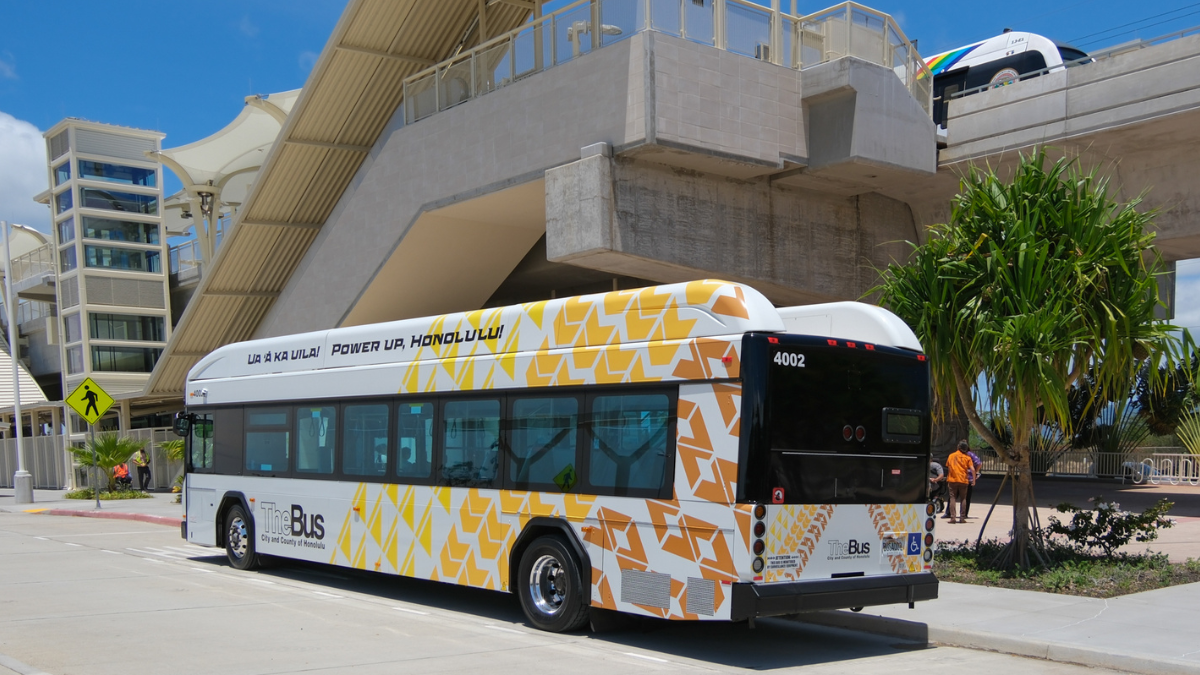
239,539
550,586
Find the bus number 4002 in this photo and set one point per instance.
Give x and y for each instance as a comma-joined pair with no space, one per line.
786,359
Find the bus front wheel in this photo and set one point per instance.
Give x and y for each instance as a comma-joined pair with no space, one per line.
551,588
239,539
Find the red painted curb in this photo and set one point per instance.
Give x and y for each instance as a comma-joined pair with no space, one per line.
116,515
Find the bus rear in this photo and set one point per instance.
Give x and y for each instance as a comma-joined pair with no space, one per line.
835,450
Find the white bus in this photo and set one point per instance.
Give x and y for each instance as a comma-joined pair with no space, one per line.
684,451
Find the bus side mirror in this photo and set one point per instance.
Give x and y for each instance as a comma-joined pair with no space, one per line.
183,424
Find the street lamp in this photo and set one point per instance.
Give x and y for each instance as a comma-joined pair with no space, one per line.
22,481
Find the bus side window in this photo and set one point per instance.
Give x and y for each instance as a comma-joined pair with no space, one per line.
200,444
267,439
543,446
629,450
414,441
365,441
471,443
316,429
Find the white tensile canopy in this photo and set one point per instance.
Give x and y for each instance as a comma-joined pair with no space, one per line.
217,171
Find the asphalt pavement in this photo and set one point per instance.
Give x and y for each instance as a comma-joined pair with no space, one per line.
1152,632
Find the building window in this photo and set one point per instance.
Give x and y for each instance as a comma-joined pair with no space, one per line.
111,200
126,327
62,201
124,359
66,230
119,230
66,259
74,360
115,173
62,173
122,258
73,328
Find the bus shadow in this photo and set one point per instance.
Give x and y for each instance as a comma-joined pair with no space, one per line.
772,643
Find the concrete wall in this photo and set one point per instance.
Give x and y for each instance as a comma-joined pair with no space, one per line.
637,218
441,212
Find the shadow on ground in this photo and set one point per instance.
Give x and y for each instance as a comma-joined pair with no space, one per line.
771,644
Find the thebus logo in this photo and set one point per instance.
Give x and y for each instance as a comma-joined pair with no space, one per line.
854,548
293,523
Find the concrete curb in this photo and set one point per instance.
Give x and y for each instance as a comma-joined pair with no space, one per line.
1005,644
113,515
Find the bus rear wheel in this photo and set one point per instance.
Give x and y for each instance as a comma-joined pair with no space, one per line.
239,539
551,588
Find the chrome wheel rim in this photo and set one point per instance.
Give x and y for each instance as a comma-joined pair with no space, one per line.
548,585
238,543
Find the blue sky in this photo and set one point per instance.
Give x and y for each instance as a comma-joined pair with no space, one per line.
185,68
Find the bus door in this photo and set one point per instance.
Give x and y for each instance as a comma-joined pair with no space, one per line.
199,500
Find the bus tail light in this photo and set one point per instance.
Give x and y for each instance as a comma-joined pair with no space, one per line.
929,524
928,555
760,511
760,547
758,565
930,510
847,432
860,433
760,528
928,539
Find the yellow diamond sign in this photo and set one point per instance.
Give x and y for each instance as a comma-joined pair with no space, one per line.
90,401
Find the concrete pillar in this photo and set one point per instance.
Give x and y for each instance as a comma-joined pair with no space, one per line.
123,416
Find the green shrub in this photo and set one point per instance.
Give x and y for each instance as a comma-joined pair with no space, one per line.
87,493
1109,528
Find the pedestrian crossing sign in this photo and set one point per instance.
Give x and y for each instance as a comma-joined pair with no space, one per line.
90,401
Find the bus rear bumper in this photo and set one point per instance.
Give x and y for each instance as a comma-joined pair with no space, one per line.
754,600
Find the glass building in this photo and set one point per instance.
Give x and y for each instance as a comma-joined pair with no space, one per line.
112,283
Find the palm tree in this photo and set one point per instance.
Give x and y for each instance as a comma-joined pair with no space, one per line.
173,449
109,451
1033,283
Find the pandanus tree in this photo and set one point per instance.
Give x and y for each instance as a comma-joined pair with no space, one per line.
1035,281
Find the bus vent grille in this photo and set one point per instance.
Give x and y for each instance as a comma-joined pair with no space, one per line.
646,588
700,594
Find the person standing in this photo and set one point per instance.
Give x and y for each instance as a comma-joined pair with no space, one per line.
978,466
142,461
958,469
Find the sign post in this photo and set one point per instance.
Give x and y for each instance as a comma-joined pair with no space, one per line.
91,402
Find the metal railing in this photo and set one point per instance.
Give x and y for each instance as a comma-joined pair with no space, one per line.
1085,463
37,262
738,26
1166,469
185,260
1090,58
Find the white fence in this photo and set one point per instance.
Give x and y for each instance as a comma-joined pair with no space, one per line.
1141,465
51,465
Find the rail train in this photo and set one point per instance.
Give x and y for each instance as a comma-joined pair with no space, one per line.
996,61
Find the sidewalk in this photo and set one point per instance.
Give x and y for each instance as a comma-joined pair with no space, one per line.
1156,632
160,508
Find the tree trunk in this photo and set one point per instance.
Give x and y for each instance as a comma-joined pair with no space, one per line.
1022,504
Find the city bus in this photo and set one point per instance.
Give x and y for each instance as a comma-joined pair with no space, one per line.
684,451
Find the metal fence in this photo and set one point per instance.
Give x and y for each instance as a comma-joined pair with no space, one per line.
1141,465
738,26
51,465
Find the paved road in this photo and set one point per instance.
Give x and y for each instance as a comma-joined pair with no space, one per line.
93,596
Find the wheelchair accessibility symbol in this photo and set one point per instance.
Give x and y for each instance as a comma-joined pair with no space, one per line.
914,543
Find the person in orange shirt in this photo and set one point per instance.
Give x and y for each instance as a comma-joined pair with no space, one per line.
960,474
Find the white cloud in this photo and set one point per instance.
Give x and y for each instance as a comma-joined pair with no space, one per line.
22,173
307,60
8,66
247,27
